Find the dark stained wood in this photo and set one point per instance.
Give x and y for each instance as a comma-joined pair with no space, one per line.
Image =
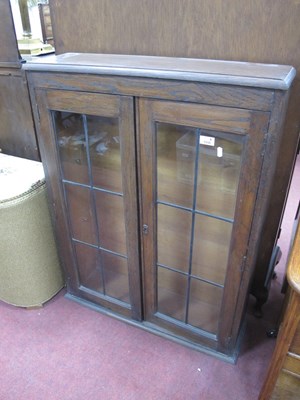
17,133
196,70
255,134
46,25
169,90
215,118
231,30
121,108
9,54
146,131
275,154
246,212
129,180
47,148
96,104
197,115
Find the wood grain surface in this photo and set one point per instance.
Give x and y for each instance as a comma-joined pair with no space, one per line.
272,76
17,134
9,54
231,30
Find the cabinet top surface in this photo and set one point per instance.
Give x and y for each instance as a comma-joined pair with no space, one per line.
271,76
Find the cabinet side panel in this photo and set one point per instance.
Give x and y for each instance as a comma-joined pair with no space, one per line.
236,292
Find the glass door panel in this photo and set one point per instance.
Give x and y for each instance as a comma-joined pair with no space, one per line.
115,271
204,305
89,268
219,164
173,237
175,171
196,241
82,219
104,148
91,163
193,235
111,222
171,293
71,146
211,245
92,183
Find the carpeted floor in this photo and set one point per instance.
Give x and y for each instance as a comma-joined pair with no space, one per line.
66,351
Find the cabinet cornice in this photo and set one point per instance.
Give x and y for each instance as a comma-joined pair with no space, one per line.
269,76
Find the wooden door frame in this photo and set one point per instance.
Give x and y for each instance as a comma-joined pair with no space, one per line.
115,106
239,121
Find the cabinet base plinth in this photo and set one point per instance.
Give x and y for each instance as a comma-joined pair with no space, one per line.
151,328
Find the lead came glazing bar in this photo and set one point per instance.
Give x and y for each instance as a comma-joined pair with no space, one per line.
193,226
92,187
99,256
100,248
192,276
195,211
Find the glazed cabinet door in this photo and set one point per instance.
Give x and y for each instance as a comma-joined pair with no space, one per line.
200,168
88,145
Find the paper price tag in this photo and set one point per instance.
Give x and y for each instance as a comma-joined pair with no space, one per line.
207,140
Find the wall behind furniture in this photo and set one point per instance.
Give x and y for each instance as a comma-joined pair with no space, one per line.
233,29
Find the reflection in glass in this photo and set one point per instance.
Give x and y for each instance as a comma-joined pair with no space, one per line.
115,276
218,175
111,222
175,164
89,150
173,237
171,293
197,175
211,247
81,215
104,147
204,305
88,267
71,145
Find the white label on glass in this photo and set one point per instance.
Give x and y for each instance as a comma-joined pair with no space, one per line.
219,151
207,140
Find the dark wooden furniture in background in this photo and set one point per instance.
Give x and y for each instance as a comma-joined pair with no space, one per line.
231,30
17,133
9,55
207,135
46,25
283,377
